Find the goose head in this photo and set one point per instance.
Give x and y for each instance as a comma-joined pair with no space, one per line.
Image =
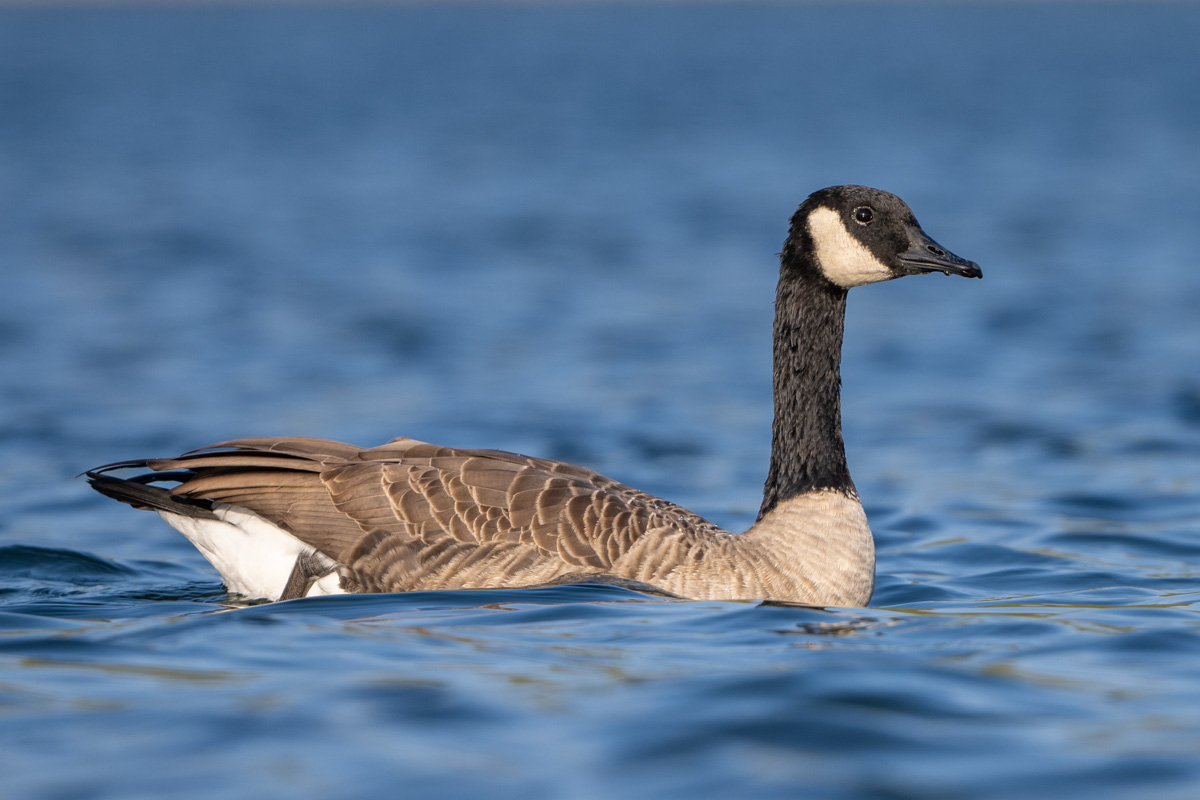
855,235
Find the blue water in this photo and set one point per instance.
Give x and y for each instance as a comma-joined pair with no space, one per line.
553,230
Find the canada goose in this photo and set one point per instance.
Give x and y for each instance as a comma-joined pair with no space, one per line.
293,517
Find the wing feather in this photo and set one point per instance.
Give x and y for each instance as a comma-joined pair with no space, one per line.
412,515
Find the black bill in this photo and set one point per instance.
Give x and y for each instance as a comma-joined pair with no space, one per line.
926,255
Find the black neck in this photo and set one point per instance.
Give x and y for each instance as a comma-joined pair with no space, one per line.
807,452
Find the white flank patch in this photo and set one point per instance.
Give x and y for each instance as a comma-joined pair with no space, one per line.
330,584
843,259
254,557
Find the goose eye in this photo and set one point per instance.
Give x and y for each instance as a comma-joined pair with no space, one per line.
863,215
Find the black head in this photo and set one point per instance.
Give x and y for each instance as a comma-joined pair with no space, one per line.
854,235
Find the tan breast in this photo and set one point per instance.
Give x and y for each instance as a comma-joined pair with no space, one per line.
816,548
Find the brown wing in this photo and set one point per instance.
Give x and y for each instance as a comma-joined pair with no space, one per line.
279,479
410,515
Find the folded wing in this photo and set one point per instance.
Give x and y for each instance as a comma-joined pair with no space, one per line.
410,515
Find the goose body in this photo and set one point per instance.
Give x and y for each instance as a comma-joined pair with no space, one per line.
281,518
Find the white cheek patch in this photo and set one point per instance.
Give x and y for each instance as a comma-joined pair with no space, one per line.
843,259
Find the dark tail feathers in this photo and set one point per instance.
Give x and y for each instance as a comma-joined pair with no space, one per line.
138,493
